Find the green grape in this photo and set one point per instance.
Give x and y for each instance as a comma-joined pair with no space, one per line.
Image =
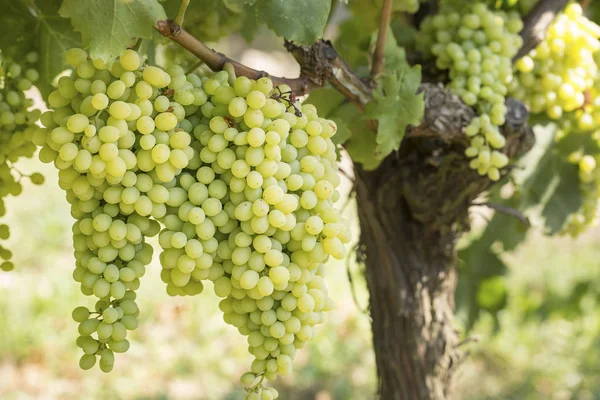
560,80
476,46
117,182
17,131
231,216
553,81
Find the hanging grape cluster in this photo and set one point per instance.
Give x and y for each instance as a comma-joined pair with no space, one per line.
242,178
560,80
257,219
114,137
554,78
477,47
17,125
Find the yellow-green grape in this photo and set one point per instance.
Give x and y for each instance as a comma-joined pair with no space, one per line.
256,217
118,139
589,186
553,79
477,47
17,126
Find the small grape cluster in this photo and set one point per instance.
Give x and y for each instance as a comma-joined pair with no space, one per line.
553,79
17,125
477,47
115,134
257,219
589,187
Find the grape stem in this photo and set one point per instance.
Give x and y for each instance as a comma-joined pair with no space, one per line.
505,210
536,24
384,24
182,8
215,61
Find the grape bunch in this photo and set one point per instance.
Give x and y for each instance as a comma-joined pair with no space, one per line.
257,219
589,187
554,78
476,47
116,134
560,80
17,125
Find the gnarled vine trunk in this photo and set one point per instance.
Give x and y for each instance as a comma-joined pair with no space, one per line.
412,210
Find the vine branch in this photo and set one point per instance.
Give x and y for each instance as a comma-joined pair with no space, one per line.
536,23
320,64
215,60
384,24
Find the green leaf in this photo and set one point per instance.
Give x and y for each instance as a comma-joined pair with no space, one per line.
331,105
250,24
553,187
326,100
237,5
302,21
17,28
109,27
566,198
56,36
35,25
395,105
478,263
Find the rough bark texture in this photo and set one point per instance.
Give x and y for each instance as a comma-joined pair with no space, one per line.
411,212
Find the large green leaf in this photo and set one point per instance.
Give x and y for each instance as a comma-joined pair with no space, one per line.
552,189
566,198
109,27
302,21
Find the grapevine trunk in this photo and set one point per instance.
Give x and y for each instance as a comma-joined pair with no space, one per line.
411,279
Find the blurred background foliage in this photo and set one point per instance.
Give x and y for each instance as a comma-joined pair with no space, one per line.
529,314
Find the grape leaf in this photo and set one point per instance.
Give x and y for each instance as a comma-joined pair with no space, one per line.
395,105
35,25
301,21
362,144
326,100
331,105
56,36
109,27
17,28
237,5
566,198
478,263
553,188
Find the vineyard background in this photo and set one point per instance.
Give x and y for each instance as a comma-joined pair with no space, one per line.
184,350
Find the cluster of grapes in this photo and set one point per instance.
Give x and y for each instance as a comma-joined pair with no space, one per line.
589,187
409,6
258,219
554,78
16,129
560,79
113,134
477,47
242,179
